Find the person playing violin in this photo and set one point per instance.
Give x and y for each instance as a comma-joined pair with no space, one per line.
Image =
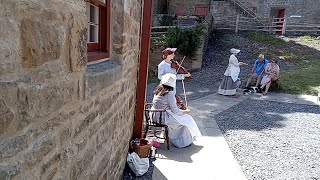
170,66
165,66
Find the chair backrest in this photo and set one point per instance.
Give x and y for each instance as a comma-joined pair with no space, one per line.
160,113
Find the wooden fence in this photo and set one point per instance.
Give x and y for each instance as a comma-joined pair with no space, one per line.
271,25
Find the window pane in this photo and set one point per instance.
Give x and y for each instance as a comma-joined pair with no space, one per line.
93,33
94,14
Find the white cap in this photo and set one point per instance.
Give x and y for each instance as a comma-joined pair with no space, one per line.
169,79
234,51
261,56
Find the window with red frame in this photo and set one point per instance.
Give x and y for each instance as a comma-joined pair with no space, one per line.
98,40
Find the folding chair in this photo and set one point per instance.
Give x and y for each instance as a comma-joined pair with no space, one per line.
159,123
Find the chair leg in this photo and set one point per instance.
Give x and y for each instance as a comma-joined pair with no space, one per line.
146,132
167,137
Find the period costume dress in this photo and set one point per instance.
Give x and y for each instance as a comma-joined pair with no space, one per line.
182,127
230,81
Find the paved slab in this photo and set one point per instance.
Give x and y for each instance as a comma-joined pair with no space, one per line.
210,157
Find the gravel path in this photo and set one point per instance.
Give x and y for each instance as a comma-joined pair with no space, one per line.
273,140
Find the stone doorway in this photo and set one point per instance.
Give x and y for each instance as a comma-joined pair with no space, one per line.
277,14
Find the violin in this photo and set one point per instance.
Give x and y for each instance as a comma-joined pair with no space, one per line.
178,67
180,103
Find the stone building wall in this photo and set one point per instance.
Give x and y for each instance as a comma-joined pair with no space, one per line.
223,11
189,5
223,14
308,10
60,117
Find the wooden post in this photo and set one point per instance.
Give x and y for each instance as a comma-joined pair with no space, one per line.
284,27
271,25
143,67
237,23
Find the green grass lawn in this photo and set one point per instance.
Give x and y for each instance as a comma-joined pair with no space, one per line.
263,37
305,80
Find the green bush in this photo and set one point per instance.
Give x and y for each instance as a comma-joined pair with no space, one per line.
186,40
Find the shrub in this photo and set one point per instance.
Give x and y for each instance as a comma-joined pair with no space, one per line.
186,40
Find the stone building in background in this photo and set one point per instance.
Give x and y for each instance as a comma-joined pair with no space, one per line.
61,116
297,11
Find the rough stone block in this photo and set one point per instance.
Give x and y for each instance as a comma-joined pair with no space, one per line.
7,171
49,168
6,116
9,46
86,108
40,148
78,42
81,164
102,162
52,69
68,154
39,100
11,147
57,120
86,122
40,43
65,133
105,105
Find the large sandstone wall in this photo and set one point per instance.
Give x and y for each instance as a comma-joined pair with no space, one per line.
60,117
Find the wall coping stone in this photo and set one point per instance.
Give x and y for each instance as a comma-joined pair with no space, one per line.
101,75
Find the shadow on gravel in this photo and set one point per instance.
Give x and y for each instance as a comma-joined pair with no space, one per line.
259,115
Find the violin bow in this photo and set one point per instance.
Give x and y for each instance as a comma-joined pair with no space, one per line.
184,90
181,63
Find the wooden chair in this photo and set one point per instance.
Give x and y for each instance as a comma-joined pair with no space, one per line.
160,123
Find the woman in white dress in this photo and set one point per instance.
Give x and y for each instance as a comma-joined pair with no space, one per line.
230,81
272,71
182,128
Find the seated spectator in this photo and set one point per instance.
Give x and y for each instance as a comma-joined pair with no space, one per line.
257,70
272,72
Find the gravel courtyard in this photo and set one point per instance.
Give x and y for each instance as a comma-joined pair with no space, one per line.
273,140
270,140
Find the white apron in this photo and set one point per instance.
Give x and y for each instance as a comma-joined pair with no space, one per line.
233,69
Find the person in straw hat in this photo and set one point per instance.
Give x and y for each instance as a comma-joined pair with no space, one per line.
230,81
165,66
182,127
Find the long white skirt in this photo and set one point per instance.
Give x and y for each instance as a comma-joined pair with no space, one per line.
183,130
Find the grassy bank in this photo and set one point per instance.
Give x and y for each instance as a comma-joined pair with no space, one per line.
305,80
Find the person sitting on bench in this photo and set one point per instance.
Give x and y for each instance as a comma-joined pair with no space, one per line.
272,72
257,70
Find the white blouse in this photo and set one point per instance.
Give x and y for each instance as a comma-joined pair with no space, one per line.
233,69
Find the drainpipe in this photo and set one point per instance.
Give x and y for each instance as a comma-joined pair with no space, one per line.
143,66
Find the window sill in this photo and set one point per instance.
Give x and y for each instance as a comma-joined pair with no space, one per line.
101,75
93,56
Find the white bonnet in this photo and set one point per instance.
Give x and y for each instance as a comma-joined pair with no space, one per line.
169,79
234,51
